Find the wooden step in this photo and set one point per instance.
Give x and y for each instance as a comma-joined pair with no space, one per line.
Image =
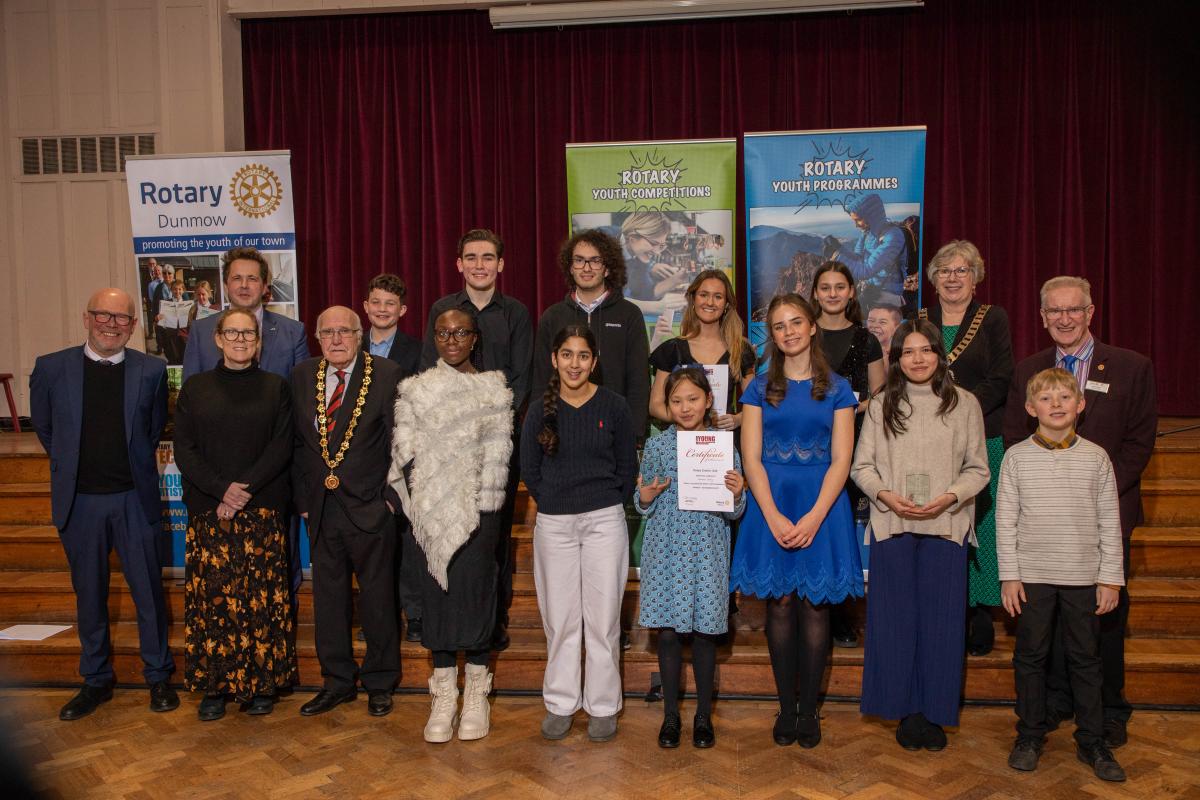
22,459
1171,501
1165,552
1157,671
1176,455
25,503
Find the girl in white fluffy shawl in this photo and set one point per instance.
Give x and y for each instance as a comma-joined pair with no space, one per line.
453,438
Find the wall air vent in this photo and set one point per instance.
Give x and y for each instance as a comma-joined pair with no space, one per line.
66,156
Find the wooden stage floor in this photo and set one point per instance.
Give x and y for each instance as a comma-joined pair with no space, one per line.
125,751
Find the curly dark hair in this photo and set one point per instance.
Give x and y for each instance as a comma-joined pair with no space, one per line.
387,282
610,251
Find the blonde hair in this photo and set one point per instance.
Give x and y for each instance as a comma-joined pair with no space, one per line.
1052,378
645,224
1067,282
957,247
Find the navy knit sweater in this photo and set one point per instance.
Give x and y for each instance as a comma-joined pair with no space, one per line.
596,463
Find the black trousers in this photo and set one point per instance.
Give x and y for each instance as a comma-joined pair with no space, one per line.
1112,662
342,551
504,558
410,571
1068,613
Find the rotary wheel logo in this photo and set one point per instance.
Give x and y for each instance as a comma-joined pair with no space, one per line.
256,191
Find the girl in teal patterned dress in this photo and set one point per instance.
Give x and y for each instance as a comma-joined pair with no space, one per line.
685,559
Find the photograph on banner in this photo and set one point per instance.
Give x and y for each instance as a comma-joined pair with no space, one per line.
670,205
186,212
852,196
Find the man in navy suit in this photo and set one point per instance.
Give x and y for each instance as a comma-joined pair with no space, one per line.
247,276
99,410
1121,416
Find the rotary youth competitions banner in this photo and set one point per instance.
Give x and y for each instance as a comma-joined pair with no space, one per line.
186,211
670,205
853,196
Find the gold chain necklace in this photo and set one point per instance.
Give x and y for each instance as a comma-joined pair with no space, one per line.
332,481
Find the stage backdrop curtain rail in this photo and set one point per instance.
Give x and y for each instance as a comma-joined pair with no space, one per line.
1061,140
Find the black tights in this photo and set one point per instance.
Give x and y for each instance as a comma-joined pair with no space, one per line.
449,658
670,667
798,641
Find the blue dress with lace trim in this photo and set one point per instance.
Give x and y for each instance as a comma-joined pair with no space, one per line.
796,455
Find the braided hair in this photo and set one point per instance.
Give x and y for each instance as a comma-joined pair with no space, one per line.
548,438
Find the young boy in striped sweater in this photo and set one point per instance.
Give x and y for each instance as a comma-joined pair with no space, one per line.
1058,539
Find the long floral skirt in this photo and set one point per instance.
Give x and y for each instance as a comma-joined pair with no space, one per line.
238,625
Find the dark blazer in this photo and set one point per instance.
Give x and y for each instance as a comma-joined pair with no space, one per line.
284,345
364,488
405,351
56,410
1124,421
985,368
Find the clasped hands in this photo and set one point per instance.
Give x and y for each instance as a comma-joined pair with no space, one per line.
235,500
901,506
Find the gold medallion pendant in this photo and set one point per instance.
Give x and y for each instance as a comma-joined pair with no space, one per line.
332,481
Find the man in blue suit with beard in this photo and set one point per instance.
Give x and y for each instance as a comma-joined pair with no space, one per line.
99,410
246,277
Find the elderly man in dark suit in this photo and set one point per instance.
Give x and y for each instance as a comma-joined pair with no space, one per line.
246,276
1121,416
99,410
343,403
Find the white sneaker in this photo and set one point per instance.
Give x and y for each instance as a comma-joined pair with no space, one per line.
443,691
476,712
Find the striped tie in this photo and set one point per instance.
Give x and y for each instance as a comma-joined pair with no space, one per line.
335,401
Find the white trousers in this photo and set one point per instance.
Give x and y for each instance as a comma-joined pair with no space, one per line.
580,568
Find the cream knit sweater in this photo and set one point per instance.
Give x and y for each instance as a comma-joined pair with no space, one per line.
951,450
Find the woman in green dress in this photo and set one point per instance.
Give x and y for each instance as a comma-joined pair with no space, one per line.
979,351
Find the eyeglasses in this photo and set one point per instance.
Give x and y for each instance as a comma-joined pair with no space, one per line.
459,334
579,262
105,317
233,334
335,333
657,245
1075,312
958,272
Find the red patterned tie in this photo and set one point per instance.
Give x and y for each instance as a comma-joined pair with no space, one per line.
335,402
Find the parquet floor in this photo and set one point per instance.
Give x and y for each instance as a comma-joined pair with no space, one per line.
124,751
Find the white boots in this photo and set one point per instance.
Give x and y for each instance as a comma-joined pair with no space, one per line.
476,713
443,690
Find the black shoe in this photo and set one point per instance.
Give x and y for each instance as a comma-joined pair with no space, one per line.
1054,718
1025,754
625,643
163,697
413,634
325,700
500,640
703,735
1114,733
981,635
908,732
668,734
933,738
261,705
808,731
361,635
784,731
212,707
379,704
85,702
1101,760
845,636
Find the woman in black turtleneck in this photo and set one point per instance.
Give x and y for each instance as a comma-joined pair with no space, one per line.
233,444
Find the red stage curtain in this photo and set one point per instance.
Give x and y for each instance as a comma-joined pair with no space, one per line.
1061,140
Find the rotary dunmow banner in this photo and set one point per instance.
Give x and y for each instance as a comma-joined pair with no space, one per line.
670,205
853,196
186,211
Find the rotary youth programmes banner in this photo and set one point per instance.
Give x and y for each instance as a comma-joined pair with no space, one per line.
853,196
670,205
186,211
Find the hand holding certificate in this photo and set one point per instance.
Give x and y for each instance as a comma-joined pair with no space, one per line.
704,459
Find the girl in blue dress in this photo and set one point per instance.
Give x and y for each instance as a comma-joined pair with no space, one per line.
685,559
796,547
